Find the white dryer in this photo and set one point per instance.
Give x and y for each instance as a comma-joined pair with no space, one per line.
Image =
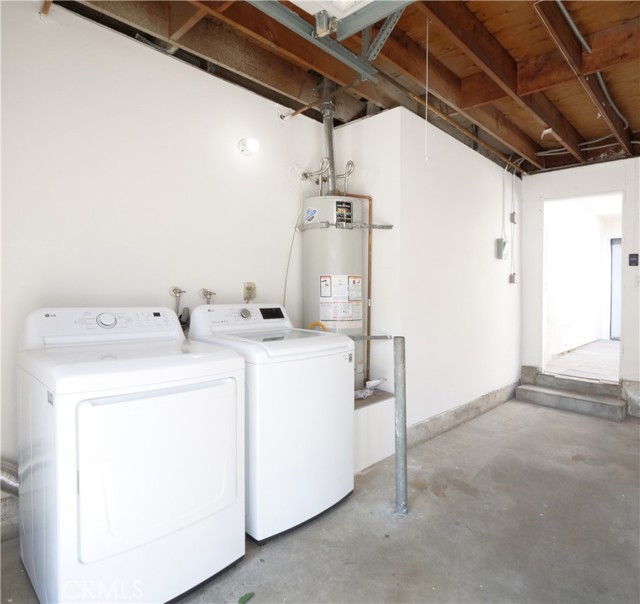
131,456
299,413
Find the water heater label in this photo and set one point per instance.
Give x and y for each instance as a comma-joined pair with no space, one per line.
344,212
310,214
341,301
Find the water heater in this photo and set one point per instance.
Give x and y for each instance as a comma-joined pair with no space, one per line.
334,269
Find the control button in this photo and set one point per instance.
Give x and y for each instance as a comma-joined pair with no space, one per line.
245,313
106,320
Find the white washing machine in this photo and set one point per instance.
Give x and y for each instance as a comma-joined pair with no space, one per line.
299,413
131,456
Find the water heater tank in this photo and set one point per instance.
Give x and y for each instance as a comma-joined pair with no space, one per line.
334,275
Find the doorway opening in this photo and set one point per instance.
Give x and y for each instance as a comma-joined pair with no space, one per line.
582,281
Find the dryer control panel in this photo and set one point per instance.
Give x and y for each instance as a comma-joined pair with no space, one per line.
66,326
234,317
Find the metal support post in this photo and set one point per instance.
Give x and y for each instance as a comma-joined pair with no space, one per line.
400,388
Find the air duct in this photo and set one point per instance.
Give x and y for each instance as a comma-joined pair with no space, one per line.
9,478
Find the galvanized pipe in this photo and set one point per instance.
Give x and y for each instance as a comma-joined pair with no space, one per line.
328,111
9,477
327,121
400,390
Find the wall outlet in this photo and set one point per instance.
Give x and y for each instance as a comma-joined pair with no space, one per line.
248,291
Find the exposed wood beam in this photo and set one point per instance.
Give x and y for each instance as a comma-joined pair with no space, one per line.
468,33
220,45
182,17
274,36
570,47
480,89
400,53
610,47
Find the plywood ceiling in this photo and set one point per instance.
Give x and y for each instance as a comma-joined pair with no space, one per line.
533,84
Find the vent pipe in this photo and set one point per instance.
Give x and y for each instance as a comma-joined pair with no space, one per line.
328,110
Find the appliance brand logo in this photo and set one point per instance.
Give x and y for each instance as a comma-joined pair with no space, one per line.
50,315
310,214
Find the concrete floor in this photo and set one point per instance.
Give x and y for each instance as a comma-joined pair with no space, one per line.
599,361
522,504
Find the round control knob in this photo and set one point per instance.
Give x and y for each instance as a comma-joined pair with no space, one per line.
106,320
245,313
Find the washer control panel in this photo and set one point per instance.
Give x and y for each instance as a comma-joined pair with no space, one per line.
223,317
59,326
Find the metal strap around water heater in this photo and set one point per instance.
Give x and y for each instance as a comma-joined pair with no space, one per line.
325,224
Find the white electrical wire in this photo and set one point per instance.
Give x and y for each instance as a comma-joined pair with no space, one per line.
293,239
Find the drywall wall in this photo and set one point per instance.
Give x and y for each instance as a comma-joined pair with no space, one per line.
436,279
121,178
577,275
620,176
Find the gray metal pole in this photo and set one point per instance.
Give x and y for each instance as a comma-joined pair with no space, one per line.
400,388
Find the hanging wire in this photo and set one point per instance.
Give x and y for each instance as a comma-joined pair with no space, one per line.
293,235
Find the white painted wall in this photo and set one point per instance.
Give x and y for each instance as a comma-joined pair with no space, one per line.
121,178
620,176
436,278
577,275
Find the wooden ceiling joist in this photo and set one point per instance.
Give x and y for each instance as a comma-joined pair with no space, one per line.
400,53
470,35
609,48
220,45
571,48
182,17
277,38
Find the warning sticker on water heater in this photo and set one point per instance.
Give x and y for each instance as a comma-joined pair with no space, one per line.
341,301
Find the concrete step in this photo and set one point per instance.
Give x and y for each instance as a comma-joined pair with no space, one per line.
606,407
547,380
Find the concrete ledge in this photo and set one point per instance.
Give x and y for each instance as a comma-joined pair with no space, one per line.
631,394
452,418
581,385
605,407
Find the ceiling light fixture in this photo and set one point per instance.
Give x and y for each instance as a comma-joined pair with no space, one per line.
248,146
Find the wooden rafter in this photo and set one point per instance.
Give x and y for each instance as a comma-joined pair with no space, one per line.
571,49
220,45
400,53
182,17
609,48
277,38
470,35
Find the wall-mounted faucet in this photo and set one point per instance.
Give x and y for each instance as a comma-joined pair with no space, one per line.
207,294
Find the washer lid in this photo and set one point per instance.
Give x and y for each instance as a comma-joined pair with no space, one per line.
121,366
282,345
